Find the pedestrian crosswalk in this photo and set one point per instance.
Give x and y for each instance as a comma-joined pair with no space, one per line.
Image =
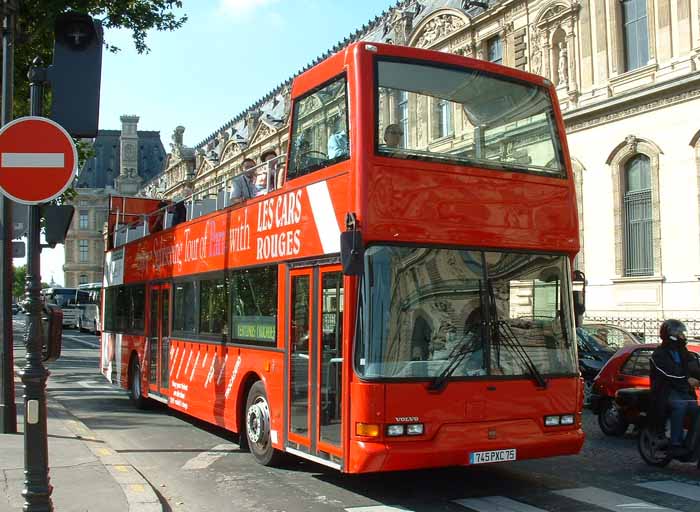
582,498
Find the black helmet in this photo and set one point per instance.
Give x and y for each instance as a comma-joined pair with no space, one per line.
672,330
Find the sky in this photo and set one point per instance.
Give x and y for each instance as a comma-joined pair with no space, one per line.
228,55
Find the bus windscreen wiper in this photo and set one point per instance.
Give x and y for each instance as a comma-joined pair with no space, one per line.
510,340
504,334
454,359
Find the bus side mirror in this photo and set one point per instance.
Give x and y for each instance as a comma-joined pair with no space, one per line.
578,283
52,320
352,252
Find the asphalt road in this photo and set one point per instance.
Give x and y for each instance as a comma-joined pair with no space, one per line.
196,467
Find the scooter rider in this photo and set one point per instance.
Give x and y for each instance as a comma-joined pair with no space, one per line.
673,382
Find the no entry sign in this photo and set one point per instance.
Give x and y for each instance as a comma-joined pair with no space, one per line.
38,160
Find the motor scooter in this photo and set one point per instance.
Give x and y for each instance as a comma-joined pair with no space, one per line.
654,442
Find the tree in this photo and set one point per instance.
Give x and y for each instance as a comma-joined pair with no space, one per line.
35,31
19,281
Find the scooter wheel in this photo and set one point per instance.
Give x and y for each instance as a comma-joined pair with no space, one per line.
653,448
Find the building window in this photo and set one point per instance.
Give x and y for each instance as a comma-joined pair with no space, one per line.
83,219
84,250
83,279
403,117
495,50
443,115
639,254
635,33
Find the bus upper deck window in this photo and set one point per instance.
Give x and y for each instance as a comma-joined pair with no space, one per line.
320,135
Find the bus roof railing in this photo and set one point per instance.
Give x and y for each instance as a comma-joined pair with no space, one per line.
216,196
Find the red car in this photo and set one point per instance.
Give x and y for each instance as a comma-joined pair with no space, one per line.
628,368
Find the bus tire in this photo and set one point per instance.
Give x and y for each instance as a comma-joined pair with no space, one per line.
257,427
135,384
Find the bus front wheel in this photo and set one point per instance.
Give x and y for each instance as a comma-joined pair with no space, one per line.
257,426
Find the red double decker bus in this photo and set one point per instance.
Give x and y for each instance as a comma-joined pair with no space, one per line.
397,295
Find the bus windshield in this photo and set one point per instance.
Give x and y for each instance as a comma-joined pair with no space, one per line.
430,313
465,117
67,296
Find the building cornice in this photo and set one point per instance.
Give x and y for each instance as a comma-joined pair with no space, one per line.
633,103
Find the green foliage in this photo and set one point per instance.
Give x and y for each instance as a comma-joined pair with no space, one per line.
35,35
19,282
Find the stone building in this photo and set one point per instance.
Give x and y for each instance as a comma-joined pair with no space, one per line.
123,160
626,73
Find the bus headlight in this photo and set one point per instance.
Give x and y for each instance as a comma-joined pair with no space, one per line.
552,421
395,430
414,429
567,419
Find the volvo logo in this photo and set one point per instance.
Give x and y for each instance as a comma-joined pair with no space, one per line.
406,419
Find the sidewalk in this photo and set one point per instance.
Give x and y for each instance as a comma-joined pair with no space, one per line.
86,474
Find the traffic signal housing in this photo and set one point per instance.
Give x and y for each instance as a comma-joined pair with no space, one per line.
76,72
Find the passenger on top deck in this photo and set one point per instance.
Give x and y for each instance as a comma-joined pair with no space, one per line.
338,145
242,186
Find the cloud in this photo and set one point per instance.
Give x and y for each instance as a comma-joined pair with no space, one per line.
243,9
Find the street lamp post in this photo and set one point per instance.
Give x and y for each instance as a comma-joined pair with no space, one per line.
37,490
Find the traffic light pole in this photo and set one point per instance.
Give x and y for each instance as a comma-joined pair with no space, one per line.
8,410
37,490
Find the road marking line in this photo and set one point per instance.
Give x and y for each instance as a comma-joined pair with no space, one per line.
137,488
206,459
609,500
378,508
496,504
46,160
82,342
689,491
121,469
104,452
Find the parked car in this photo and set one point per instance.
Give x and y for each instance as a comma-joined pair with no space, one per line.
615,337
627,368
15,308
596,344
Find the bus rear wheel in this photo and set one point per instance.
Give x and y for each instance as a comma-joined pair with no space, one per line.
257,427
135,384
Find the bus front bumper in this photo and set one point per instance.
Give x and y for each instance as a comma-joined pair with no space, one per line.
452,446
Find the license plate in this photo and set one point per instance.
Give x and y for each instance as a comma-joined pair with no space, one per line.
492,456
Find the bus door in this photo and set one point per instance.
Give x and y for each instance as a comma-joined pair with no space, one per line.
315,321
159,339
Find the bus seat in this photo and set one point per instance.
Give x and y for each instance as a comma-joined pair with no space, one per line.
168,220
208,205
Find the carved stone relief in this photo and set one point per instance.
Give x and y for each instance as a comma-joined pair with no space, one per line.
438,28
400,23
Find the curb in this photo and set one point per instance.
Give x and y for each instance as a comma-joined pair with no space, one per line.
138,491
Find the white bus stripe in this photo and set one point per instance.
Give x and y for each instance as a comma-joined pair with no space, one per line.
43,160
206,459
194,366
688,491
496,504
182,360
324,216
173,361
189,359
610,500
204,362
221,371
